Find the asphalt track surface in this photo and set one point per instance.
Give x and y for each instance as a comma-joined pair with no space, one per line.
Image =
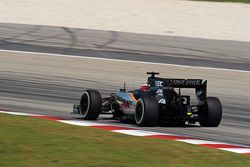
47,84
126,46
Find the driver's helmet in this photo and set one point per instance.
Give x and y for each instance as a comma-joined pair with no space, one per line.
145,87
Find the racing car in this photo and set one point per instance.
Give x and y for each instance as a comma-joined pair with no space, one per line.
156,102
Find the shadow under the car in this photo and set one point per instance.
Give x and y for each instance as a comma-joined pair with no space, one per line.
132,123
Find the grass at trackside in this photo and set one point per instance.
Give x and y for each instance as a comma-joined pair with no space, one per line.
243,1
26,141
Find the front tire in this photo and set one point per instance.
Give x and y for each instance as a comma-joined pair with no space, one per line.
90,104
147,112
211,113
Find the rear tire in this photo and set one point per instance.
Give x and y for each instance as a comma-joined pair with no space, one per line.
147,112
211,114
90,104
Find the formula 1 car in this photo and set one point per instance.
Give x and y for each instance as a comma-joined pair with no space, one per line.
156,102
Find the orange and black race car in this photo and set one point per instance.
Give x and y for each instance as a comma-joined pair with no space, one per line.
158,102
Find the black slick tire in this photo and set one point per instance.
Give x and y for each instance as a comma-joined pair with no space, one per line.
211,114
90,104
147,112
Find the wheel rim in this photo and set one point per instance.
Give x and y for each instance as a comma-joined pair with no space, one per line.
85,103
139,112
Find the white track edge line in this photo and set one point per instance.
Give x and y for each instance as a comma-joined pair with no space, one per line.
199,141
138,132
237,150
81,123
127,61
19,113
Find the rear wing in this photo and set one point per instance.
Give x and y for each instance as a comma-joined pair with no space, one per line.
168,84
182,83
199,85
